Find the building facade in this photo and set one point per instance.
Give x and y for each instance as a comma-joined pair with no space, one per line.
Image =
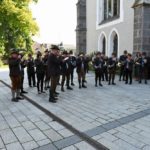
117,25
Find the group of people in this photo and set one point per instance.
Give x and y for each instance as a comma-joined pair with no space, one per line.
106,67
57,68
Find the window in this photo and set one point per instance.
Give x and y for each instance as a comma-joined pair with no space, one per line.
104,46
110,9
115,45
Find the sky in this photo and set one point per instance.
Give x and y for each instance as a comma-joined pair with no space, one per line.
56,20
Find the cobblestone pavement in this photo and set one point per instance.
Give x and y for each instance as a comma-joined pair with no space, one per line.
116,116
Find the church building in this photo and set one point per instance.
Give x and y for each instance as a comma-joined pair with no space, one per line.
113,26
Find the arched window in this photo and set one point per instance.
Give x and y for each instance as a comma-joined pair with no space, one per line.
113,43
104,45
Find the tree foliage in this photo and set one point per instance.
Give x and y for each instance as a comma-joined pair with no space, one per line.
17,25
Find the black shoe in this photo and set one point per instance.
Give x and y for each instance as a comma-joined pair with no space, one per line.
14,100
100,84
145,82
119,79
30,85
95,85
113,83
80,87
84,86
19,98
72,84
48,87
130,83
34,86
52,100
42,91
109,83
126,82
69,88
140,82
56,93
24,92
62,89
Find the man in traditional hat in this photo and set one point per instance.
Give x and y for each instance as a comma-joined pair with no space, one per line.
72,60
15,75
81,70
53,71
45,59
31,71
66,71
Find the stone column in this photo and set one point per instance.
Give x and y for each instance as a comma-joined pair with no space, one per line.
142,26
81,27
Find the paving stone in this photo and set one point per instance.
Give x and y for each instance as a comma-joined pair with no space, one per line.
65,133
42,125
95,131
14,146
53,135
56,126
34,118
47,147
1,143
12,121
67,142
22,135
109,144
109,137
84,146
28,125
70,148
8,136
130,140
147,147
124,145
30,145
44,142
37,135
3,125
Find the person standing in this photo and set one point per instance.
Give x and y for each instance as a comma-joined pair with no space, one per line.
105,68
53,72
66,71
31,71
72,60
47,79
23,64
15,75
81,70
122,61
128,69
143,67
98,67
40,72
112,64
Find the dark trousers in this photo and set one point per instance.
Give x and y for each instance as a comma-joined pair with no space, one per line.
98,76
111,77
67,78
128,74
143,74
22,81
31,78
72,75
40,82
54,80
122,73
105,74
